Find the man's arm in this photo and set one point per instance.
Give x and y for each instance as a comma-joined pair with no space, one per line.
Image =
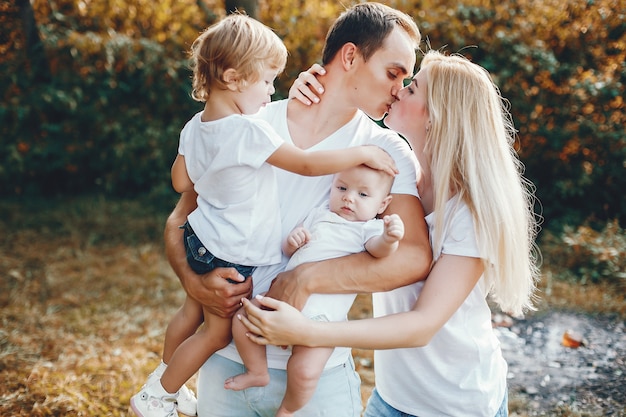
212,290
361,272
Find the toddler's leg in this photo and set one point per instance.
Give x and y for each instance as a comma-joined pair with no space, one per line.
182,326
194,351
304,369
253,357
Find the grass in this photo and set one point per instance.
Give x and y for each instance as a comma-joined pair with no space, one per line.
86,294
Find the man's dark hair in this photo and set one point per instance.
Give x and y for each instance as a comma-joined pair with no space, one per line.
367,25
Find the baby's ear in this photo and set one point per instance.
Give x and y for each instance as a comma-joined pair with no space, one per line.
384,204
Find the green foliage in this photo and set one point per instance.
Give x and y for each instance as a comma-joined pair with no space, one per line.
561,64
109,127
585,255
106,110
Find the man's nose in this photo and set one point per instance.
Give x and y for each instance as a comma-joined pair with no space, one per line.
397,87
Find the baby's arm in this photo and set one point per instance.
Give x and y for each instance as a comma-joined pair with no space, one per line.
180,178
387,242
296,239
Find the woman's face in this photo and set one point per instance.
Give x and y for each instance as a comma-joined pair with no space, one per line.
409,114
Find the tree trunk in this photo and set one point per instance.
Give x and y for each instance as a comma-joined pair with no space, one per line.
249,6
35,52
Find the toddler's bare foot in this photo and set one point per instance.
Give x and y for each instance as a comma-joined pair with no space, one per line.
247,380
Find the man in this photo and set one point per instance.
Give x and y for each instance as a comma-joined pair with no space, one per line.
369,51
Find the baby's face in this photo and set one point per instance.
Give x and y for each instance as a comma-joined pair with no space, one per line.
359,194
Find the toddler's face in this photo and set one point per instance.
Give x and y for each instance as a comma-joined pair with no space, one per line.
256,95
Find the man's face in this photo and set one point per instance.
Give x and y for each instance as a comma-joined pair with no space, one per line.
376,82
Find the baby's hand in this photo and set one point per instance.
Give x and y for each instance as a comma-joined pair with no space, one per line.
298,237
381,160
394,228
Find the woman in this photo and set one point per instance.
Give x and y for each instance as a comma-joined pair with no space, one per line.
436,353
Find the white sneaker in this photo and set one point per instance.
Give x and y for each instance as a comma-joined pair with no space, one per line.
186,400
146,404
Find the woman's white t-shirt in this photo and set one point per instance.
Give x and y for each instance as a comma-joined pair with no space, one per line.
461,372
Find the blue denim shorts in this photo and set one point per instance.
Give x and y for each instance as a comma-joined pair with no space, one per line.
202,261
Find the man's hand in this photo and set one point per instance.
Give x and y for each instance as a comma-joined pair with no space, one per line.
213,290
289,287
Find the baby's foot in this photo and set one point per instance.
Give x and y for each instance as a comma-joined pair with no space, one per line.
246,380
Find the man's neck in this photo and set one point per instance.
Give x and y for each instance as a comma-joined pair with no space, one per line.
309,125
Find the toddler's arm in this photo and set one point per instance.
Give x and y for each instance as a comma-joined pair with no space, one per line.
180,178
388,241
297,238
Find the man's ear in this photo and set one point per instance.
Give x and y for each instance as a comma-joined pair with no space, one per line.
231,78
349,52
385,204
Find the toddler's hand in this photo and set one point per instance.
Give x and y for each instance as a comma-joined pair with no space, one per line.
381,160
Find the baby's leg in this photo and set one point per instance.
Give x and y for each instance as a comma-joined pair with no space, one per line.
304,369
253,357
194,351
182,326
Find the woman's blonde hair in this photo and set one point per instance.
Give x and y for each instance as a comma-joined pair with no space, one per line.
470,146
238,42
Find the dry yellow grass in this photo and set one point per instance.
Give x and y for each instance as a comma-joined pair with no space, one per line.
85,297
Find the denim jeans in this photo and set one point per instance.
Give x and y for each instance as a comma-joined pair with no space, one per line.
377,407
202,261
337,394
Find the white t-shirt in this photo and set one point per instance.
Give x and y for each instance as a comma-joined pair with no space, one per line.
238,217
298,195
461,372
332,236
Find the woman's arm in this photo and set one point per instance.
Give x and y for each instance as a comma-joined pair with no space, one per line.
211,290
447,286
307,88
361,272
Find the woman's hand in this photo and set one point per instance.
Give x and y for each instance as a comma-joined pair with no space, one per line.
307,88
282,326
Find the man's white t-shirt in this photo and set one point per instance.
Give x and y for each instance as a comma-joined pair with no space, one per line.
237,218
298,195
463,356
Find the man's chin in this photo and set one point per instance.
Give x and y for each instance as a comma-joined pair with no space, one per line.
376,116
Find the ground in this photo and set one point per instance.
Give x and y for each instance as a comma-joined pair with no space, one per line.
83,308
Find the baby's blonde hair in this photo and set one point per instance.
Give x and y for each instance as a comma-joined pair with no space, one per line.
470,146
238,42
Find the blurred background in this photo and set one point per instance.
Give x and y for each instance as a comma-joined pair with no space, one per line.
94,93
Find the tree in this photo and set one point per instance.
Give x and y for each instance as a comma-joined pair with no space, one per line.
249,6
